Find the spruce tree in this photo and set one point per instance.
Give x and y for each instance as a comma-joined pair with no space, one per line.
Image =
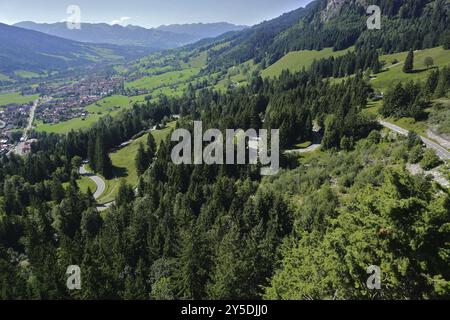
142,160
151,147
102,160
409,62
91,152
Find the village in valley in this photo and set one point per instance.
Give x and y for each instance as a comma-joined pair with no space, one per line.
60,101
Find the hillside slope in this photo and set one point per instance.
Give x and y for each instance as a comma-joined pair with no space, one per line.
340,24
29,50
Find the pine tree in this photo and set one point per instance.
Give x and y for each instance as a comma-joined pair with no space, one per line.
91,152
446,40
151,147
409,62
376,65
103,163
57,190
142,160
125,195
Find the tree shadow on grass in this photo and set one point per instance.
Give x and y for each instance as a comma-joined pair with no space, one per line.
423,69
120,172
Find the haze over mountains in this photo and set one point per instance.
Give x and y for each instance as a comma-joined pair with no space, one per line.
202,30
164,37
30,50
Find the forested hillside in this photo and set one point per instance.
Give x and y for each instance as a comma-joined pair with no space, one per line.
196,232
366,196
34,51
408,24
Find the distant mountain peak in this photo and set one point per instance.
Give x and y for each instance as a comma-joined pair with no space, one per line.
203,30
163,37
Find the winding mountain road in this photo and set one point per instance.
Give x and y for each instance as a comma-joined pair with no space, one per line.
100,183
441,152
101,187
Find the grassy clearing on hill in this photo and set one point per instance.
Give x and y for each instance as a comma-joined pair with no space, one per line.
4,77
420,127
111,105
124,163
237,75
198,61
26,74
162,80
66,126
373,107
107,106
394,72
297,60
9,98
84,183
156,70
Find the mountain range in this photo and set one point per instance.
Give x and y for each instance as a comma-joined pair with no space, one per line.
163,37
202,30
321,24
30,50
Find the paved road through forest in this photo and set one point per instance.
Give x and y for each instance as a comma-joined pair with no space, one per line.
101,186
442,153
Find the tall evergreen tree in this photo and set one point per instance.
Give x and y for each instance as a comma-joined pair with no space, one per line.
409,62
151,146
103,163
142,160
91,152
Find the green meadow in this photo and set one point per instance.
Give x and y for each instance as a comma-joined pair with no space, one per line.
85,184
393,73
163,80
107,106
16,97
237,75
297,60
4,77
123,161
26,74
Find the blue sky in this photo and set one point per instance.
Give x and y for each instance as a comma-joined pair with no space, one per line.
148,13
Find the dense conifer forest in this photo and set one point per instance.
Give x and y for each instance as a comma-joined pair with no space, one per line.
225,231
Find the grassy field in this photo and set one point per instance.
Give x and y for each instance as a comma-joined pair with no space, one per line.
163,80
297,60
9,98
26,74
197,61
237,75
4,77
110,105
157,70
373,107
84,183
411,124
394,72
124,163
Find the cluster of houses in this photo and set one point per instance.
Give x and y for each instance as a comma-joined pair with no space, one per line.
55,111
5,145
69,99
82,89
14,116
